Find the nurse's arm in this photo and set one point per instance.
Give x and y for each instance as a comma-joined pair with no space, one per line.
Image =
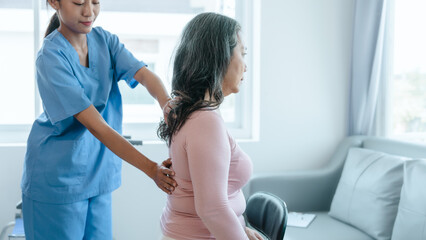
153,84
95,123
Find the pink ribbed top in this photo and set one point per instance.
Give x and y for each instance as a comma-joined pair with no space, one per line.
210,170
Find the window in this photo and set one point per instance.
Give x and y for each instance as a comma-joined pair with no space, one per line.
149,29
16,63
408,86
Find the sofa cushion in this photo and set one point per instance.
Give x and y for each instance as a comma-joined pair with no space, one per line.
410,222
368,191
325,227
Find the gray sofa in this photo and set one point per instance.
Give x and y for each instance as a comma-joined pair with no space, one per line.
313,190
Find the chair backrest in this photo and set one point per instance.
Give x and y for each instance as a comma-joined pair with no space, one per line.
268,214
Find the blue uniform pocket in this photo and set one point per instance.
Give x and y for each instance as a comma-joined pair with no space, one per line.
66,164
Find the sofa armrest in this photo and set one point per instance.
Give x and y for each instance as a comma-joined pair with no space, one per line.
306,190
302,191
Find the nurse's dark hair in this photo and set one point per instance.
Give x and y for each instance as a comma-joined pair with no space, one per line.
53,24
200,62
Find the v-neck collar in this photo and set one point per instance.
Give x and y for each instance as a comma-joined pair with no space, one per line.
74,53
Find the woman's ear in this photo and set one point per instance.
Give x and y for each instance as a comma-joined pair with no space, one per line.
54,4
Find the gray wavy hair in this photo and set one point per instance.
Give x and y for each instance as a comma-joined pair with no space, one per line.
200,64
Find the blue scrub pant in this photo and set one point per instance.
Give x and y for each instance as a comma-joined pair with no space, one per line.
87,219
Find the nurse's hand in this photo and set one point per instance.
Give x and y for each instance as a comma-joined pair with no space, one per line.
171,103
164,178
167,163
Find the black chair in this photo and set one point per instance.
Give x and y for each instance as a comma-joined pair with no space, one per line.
267,214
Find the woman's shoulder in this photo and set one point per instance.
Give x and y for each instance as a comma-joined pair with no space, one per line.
101,34
206,114
54,40
205,119
203,126
54,48
99,31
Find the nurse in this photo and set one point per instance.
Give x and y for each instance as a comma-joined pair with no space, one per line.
74,150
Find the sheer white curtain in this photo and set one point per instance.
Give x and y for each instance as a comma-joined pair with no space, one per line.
369,64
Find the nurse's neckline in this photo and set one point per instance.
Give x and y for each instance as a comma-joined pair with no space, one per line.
88,64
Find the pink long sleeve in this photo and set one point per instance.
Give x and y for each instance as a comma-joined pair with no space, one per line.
209,156
210,170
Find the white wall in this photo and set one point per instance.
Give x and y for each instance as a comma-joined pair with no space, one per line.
305,70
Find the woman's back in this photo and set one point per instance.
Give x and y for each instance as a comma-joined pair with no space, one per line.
210,171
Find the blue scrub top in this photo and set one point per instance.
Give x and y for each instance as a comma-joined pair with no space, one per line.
64,162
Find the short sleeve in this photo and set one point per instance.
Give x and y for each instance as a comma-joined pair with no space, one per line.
61,92
125,64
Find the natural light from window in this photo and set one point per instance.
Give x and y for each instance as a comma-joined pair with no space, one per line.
408,91
149,29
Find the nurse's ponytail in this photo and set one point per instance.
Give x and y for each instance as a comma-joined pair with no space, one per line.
54,24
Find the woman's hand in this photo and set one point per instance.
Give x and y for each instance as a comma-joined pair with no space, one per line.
164,177
253,234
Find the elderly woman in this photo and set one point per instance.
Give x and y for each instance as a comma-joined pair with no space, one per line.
210,168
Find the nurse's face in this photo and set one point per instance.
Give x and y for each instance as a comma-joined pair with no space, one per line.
235,73
76,16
